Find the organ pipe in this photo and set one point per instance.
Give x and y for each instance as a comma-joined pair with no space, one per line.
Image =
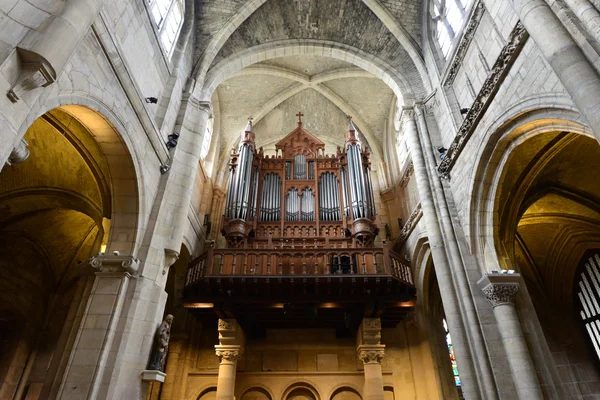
238,200
270,198
360,185
329,200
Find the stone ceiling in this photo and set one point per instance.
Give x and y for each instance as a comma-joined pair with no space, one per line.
324,88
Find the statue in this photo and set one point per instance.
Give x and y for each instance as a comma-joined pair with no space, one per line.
161,345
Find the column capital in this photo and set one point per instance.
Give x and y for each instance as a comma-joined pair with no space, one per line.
115,264
408,114
500,289
228,354
371,354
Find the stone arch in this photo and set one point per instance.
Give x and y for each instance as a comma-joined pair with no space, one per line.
403,37
526,216
126,181
256,392
301,389
345,392
281,48
208,393
525,114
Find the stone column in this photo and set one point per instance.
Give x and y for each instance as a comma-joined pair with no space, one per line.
588,15
370,351
477,342
89,365
500,290
445,275
229,351
574,70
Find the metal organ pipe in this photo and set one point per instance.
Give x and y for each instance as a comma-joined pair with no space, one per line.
329,200
345,192
270,204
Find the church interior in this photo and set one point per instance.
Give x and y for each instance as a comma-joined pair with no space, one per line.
299,200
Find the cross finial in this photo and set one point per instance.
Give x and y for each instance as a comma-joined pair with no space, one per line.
349,117
250,119
299,115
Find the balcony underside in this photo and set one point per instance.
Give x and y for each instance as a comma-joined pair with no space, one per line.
300,301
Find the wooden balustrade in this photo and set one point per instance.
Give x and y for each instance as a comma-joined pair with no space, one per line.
299,259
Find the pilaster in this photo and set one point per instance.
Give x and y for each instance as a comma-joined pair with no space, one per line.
371,352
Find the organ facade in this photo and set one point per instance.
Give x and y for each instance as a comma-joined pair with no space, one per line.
301,250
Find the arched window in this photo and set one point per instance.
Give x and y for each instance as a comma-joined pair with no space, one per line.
449,17
452,357
206,139
168,16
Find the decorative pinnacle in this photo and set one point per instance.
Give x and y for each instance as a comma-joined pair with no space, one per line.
351,126
299,115
249,126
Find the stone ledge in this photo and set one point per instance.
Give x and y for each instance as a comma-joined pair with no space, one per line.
151,375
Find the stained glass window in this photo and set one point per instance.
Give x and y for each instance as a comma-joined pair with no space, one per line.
451,353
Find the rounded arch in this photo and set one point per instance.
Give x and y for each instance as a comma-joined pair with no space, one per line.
260,389
401,87
208,393
112,136
344,387
301,388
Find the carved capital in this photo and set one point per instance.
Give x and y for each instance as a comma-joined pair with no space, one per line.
500,289
408,115
371,354
228,354
115,264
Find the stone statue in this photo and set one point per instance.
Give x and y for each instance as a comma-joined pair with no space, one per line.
161,345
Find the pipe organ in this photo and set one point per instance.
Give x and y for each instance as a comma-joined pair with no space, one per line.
300,193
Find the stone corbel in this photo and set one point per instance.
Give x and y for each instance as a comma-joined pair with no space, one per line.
33,72
107,264
19,154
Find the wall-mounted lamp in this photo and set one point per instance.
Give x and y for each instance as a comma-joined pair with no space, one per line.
151,100
164,168
172,142
442,151
464,111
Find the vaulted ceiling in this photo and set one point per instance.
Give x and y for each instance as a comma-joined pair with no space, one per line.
377,41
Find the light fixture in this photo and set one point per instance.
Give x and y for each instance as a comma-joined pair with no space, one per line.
173,139
151,100
464,111
164,168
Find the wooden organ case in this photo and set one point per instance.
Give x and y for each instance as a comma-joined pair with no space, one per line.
301,226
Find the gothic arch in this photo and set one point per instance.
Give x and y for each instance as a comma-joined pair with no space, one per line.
528,115
399,32
401,87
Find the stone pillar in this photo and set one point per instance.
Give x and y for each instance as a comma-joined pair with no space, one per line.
229,351
444,273
500,290
89,365
588,15
477,342
370,351
574,70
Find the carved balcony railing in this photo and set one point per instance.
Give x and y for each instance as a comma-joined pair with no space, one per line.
290,260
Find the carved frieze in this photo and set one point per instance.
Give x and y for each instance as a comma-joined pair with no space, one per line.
505,60
409,226
407,174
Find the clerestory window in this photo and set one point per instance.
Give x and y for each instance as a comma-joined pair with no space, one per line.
168,18
449,17
206,139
